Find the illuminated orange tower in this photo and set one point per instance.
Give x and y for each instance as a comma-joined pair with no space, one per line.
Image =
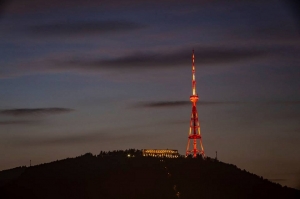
194,133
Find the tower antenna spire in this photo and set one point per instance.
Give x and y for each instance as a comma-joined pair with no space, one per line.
194,132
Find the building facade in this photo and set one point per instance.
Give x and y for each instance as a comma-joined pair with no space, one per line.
161,153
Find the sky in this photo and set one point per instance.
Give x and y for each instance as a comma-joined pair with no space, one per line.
80,76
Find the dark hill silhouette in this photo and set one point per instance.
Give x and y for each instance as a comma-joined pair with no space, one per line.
114,175
11,174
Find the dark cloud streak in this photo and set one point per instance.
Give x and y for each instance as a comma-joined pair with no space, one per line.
75,139
166,104
295,8
3,5
18,122
204,56
32,6
162,104
83,28
34,111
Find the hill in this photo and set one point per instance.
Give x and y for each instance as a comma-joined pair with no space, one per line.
115,175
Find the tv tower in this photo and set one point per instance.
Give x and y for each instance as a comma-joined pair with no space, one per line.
194,133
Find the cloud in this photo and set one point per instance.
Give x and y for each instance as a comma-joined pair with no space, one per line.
72,139
101,136
34,111
18,122
204,56
90,62
36,6
280,35
83,28
65,62
3,4
295,8
284,102
166,104
17,6
161,104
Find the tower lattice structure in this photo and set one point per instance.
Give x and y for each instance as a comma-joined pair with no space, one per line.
194,132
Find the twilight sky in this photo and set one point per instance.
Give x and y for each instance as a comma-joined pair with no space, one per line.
81,76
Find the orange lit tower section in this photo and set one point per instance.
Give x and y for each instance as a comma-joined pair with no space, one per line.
194,133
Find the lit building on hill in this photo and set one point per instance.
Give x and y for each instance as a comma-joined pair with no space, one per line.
161,153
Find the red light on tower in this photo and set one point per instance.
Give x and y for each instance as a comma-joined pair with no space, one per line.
194,133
